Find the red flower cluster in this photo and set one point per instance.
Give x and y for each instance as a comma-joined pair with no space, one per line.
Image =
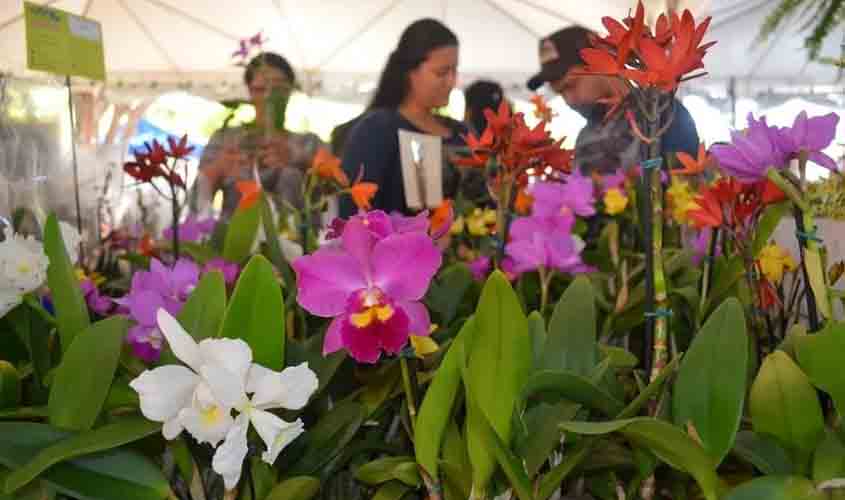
154,163
660,59
733,204
515,146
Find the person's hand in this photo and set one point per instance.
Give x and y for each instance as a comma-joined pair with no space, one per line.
274,152
228,163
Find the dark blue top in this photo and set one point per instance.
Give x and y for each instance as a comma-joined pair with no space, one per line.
374,145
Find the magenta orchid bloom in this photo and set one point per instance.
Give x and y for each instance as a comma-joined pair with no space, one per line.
159,288
545,241
371,286
480,268
230,270
192,229
574,197
810,135
96,302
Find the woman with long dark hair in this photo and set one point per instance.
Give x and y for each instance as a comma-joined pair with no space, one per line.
417,79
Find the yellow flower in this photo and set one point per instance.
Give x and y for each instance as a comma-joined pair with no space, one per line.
615,201
682,200
480,222
457,226
95,277
423,346
774,261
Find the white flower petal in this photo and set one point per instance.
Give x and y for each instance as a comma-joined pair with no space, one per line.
291,250
229,458
234,355
275,432
172,428
256,374
289,389
182,344
227,388
164,391
208,424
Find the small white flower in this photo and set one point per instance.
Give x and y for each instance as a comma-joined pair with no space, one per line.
72,239
23,268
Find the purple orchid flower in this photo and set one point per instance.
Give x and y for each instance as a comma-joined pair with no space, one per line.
159,288
751,154
371,287
545,241
574,197
230,270
810,135
96,302
480,268
192,229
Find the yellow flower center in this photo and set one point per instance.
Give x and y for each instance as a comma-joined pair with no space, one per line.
211,415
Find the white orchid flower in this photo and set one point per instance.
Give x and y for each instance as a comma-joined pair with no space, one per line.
23,268
219,377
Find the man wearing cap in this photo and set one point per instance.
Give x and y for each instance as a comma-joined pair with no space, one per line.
601,147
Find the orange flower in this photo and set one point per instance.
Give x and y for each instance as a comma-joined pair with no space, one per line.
709,213
523,202
362,193
541,109
442,216
692,166
327,166
147,246
250,192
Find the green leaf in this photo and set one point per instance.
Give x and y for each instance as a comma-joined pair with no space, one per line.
499,364
295,488
762,452
511,466
117,473
726,273
71,310
710,389
263,480
381,470
83,378
820,356
537,330
829,458
328,437
619,357
776,488
455,468
10,385
669,443
572,388
447,291
256,314
198,252
109,436
542,433
241,233
436,409
784,405
35,335
571,343
394,490
816,274
790,343
274,248
769,221
182,457
202,314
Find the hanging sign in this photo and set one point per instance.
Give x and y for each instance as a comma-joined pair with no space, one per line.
63,43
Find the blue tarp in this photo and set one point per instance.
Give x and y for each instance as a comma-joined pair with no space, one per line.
147,132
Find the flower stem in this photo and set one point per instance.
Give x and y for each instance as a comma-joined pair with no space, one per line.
546,276
409,393
707,274
174,205
661,297
502,216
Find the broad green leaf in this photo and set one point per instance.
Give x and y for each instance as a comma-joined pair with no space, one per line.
571,387
669,443
784,405
264,478
436,410
447,291
109,436
829,458
726,273
199,253
499,364
256,314
619,357
241,233
295,488
456,471
327,438
182,457
571,341
537,330
10,385
769,221
790,343
34,333
762,452
394,490
710,389
542,434
820,357
816,274
776,488
381,470
71,310
379,386
202,314
511,466
408,473
121,396
85,374
113,474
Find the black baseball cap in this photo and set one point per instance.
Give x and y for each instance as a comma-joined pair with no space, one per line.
559,52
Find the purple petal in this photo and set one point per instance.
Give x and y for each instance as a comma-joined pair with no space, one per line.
358,242
377,222
146,342
184,277
404,264
334,341
799,128
326,279
480,268
548,198
418,223
525,255
144,305
823,160
821,130
419,322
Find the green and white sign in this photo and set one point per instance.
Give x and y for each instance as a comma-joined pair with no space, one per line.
63,43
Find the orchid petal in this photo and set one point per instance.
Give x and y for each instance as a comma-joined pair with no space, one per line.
326,279
823,160
275,432
234,355
404,264
229,458
334,341
228,388
183,345
291,389
164,391
419,323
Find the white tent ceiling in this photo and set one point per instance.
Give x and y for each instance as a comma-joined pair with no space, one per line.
339,46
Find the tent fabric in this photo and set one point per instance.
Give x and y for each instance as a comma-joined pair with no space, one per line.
339,46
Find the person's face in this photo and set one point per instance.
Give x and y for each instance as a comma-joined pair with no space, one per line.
266,78
433,80
578,90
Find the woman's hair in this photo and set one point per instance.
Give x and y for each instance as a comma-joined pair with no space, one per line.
415,44
274,61
480,95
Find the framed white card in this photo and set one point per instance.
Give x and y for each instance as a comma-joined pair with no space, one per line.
422,169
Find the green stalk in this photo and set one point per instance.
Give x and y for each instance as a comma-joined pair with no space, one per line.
409,393
661,297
